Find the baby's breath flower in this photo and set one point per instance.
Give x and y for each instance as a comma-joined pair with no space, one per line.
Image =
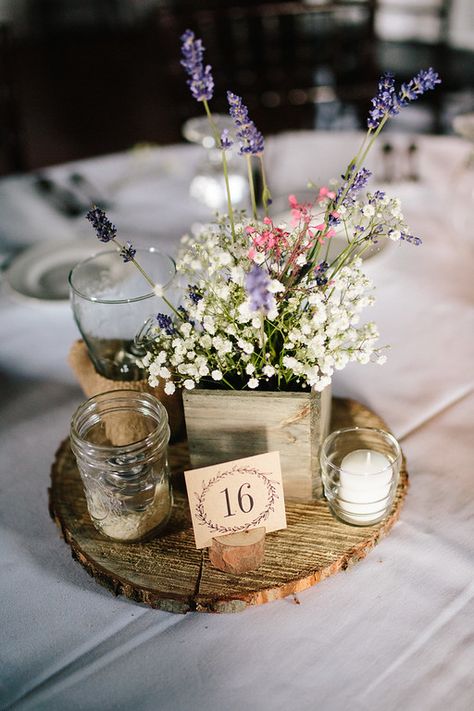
170,387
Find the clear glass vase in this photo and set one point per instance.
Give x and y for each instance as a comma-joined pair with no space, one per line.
111,301
120,442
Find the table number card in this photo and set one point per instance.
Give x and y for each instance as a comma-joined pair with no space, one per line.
236,496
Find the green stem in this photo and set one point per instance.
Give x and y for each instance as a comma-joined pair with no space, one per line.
227,383
225,169
252,187
266,195
151,282
362,154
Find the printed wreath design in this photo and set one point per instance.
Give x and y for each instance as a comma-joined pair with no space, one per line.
272,496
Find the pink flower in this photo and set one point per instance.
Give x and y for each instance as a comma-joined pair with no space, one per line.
324,192
271,239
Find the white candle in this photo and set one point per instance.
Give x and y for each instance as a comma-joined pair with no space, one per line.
364,485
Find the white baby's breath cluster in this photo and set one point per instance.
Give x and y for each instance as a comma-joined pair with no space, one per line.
309,331
374,218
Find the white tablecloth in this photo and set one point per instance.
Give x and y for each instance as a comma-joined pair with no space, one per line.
393,632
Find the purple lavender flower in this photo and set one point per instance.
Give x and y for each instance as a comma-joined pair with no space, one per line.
378,195
351,185
411,239
425,80
105,230
226,141
194,294
333,221
388,103
128,252
321,269
256,286
251,140
385,102
200,82
185,316
166,324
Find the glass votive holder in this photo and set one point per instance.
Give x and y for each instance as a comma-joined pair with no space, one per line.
111,302
359,469
120,442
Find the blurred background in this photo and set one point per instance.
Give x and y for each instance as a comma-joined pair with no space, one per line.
80,78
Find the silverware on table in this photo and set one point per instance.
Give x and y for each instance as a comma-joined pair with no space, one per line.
89,191
388,163
413,167
59,197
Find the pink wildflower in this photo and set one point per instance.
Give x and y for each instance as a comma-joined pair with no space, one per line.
299,211
270,239
324,192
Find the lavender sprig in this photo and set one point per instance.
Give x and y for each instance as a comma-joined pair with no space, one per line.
256,285
226,141
201,84
352,185
105,230
252,141
320,272
385,102
388,103
411,239
194,294
200,79
425,80
166,324
128,252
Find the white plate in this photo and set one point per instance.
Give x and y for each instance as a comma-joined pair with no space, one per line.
41,272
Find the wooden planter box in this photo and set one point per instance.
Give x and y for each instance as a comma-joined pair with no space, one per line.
223,425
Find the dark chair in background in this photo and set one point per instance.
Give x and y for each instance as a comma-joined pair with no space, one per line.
284,58
11,150
108,76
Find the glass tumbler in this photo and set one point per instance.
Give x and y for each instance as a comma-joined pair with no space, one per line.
111,301
120,442
360,468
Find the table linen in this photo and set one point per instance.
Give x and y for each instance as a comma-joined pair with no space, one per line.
395,631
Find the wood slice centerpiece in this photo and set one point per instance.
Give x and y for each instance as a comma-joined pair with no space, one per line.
169,573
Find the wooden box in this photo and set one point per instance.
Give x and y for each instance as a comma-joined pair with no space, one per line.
223,425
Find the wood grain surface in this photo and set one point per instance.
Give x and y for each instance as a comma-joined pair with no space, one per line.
170,574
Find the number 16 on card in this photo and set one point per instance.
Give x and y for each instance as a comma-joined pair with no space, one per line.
236,496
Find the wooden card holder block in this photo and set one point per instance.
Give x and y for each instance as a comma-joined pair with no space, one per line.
238,552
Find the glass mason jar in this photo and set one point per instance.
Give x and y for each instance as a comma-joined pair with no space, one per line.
111,301
360,468
120,442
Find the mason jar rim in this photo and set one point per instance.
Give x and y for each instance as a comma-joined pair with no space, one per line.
333,435
131,300
159,436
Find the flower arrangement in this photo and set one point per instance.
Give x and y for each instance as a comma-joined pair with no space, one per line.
264,306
